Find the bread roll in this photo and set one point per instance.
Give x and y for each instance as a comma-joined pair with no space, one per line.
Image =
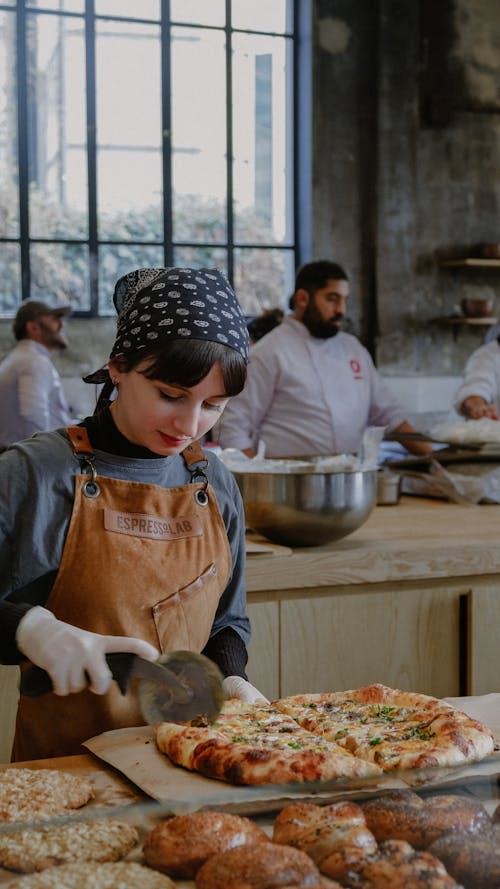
473,859
403,815
266,866
180,845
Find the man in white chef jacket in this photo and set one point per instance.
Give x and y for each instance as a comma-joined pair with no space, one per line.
31,393
311,388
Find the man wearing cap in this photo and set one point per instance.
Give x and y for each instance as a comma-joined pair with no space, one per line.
31,393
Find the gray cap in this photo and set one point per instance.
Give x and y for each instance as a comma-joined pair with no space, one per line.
30,310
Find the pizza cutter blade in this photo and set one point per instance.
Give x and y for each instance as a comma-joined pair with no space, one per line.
192,688
178,687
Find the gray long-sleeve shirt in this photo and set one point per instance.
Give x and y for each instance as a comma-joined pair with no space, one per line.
36,499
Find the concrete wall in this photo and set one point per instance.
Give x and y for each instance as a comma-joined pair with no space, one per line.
407,167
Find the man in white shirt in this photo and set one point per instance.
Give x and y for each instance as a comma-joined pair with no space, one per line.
479,393
311,389
31,394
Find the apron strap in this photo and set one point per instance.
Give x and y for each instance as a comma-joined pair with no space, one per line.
80,440
193,454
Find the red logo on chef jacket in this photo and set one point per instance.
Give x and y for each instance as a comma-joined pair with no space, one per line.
356,369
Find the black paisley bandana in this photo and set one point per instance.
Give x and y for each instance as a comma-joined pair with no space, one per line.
156,305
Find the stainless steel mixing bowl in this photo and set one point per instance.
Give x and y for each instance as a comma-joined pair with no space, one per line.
307,508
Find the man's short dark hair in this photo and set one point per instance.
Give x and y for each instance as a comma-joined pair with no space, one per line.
314,275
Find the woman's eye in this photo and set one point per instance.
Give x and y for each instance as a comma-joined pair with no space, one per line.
213,407
168,397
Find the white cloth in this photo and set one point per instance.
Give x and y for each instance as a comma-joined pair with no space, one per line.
481,376
306,396
31,394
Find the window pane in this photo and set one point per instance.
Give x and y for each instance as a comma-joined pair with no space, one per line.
198,12
117,261
146,9
57,130
263,279
9,206
60,273
201,258
262,15
198,134
262,120
10,278
129,130
61,5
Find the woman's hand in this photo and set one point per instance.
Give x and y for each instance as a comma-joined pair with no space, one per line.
73,658
237,687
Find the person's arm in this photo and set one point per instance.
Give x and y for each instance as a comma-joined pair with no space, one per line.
419,448
33,390
478,394
239,426
475,406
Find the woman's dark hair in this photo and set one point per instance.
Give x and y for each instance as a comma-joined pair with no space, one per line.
181,363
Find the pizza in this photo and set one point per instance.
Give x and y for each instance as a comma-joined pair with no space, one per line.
393,728
359,733
258,744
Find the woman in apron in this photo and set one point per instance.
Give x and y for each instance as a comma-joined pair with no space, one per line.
122,534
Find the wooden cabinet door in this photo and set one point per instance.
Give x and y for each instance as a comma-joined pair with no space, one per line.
263,668
484,639
406,638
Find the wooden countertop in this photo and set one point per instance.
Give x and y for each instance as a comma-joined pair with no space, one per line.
417,538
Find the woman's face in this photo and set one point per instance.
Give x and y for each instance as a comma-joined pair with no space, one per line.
165,417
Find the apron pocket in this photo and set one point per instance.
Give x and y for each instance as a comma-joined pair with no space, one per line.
184,619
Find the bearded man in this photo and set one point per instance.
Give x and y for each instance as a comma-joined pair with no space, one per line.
31,393
311,388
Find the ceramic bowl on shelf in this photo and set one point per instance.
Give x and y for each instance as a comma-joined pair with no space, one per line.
477,307
490,251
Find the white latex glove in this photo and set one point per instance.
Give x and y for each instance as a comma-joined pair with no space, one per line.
237,687
68,653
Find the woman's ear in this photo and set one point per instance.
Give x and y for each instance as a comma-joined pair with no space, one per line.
116,370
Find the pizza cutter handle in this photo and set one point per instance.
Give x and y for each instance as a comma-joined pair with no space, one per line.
36,681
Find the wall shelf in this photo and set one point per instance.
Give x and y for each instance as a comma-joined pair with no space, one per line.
458,319
471,263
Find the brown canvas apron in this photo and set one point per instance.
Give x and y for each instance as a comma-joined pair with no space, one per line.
139,560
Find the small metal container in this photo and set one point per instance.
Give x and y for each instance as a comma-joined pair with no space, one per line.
388,488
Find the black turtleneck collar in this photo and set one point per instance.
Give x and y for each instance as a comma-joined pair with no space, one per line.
105,436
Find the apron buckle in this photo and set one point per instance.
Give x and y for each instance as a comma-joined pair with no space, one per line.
91,487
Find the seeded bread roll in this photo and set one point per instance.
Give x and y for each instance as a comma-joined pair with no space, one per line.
396,865
182,844
473,859
35,850
32,794
335,836
403,815
266,866
90,875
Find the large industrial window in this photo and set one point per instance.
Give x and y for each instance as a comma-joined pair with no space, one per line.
150,133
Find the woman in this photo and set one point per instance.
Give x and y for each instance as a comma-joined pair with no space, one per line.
121,534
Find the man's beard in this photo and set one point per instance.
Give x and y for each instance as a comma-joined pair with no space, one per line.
316,324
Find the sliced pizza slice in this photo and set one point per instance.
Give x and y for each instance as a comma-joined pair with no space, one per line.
258,744
394,728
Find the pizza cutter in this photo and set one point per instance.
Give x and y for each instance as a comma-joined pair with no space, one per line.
178,687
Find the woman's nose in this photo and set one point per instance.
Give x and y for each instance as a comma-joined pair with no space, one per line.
186,422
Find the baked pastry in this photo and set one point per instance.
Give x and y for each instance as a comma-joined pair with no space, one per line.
182,844
403,815
396,865
473,859
29,794
335,837
35,850
90,875
266,866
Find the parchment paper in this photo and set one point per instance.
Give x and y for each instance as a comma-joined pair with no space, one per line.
134,753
